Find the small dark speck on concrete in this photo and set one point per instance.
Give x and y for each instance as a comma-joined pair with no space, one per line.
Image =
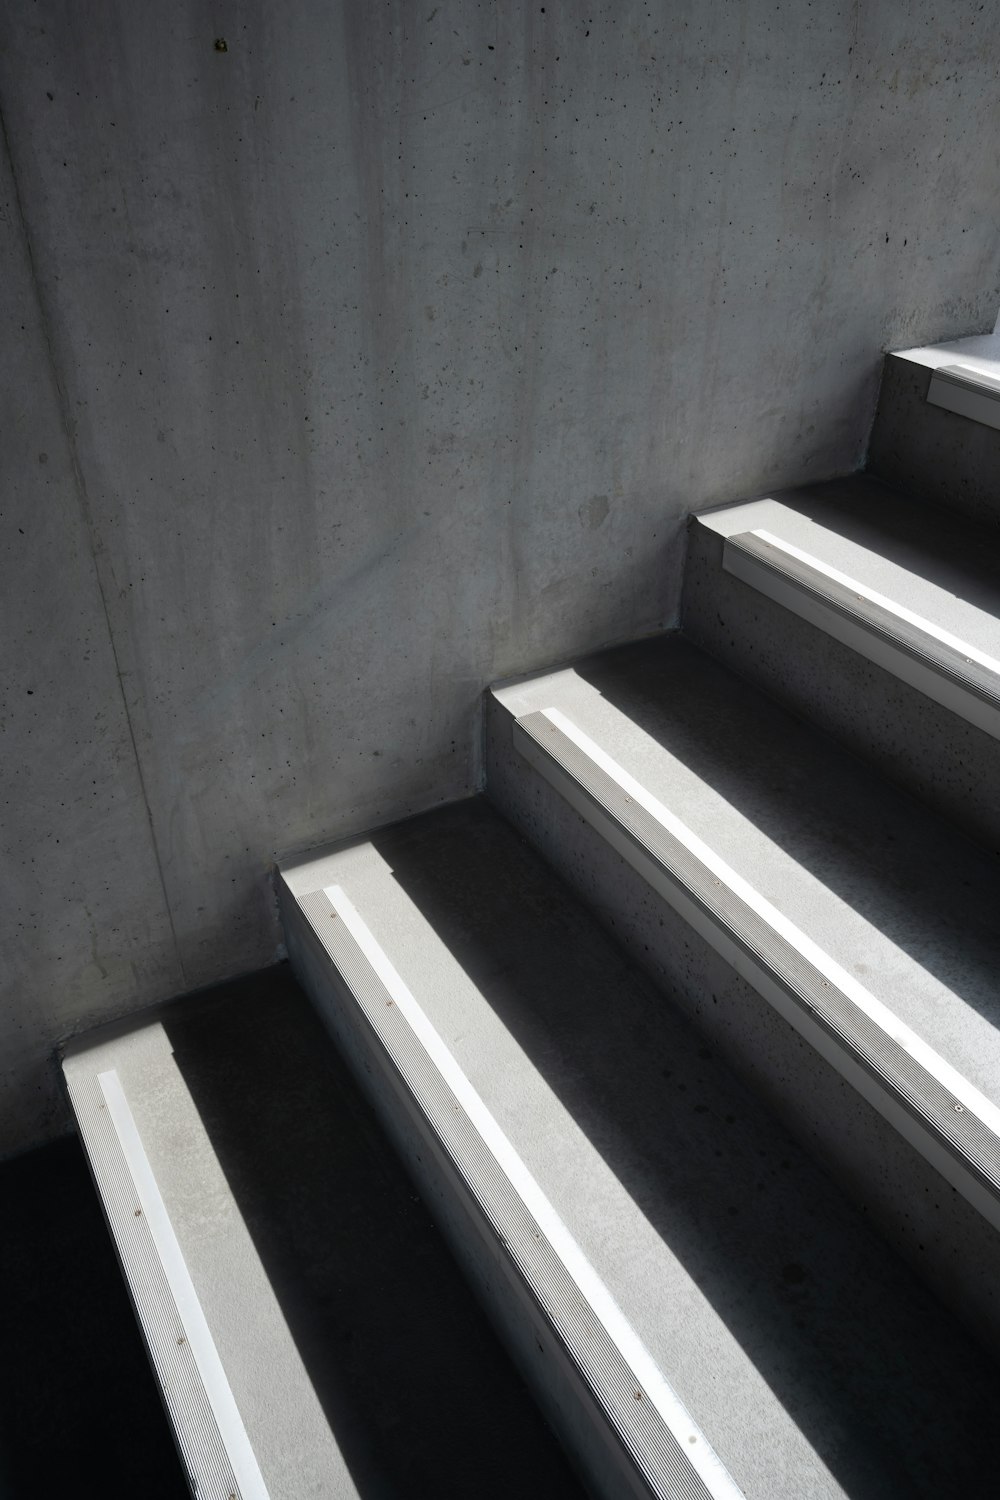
221,45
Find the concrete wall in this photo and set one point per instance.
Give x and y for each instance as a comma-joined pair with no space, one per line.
381,354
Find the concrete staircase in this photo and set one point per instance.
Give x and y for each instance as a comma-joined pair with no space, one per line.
687,1032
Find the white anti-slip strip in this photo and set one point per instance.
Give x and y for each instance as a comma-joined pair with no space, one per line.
960,1087
192,1318
662,1397
945,637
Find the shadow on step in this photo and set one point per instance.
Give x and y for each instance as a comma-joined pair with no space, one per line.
954,552
901,867
419,1395
79,1410
892,1395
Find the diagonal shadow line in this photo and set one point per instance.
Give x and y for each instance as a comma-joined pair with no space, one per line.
418,1393
955,553
901,866
886,1386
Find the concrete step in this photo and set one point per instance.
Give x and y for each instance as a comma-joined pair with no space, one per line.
876,618
836,939
698,1307
310,1331
937,438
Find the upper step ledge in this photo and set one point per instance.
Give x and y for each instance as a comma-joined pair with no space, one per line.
945,668
978,355
967,393
965,376
954,1126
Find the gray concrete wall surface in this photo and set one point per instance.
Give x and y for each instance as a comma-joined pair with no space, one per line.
379,351
84,924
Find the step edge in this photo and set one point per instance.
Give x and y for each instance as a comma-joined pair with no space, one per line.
959,677
491,1174
635,825
967,393
207,1427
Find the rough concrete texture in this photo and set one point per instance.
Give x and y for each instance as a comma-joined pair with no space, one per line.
85,927
393,346
933,453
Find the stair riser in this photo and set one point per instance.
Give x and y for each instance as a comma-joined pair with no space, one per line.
566,1401
946,1240
941,758
932,453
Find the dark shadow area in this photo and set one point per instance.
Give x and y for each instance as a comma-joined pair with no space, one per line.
901,866
421,1397
79,1410
894,1396
952,551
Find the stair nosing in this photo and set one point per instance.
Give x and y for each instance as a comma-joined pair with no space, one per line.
958,676
953,1125
203,1414
639,1408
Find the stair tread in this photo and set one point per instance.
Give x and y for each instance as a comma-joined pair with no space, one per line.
889,890
939,565
802,1346
343,1326
979,352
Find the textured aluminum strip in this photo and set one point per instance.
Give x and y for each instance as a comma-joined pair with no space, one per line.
915,639
924,1094
630,1393
966,393
972,380
132,1205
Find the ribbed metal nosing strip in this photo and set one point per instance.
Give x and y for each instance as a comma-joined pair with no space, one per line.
968,379
175,1336
847,599
966,393
497,1183
765,947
